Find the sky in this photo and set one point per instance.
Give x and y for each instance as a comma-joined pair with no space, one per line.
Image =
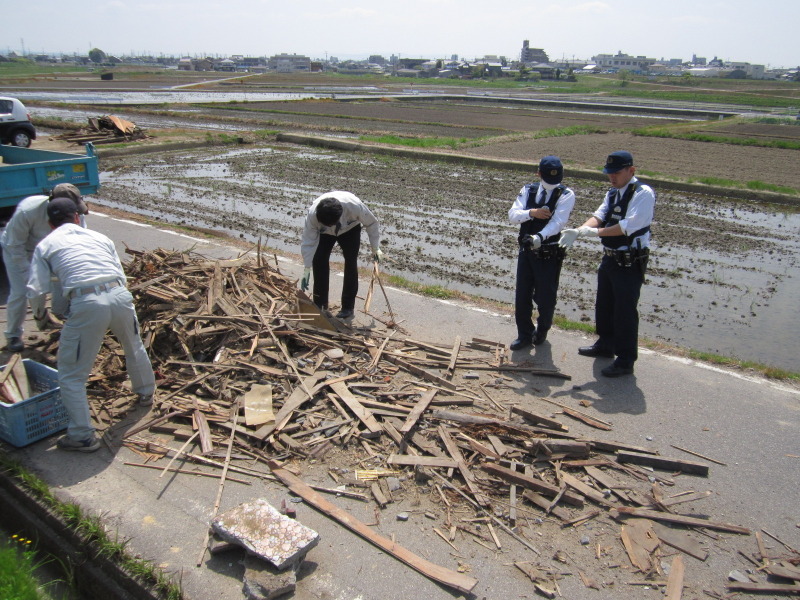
764,32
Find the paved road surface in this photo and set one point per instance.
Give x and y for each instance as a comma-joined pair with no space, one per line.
750,424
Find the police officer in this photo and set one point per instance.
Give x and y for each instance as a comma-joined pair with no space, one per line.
337,218
542,209
622,222
27,227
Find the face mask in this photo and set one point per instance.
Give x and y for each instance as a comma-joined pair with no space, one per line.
548,186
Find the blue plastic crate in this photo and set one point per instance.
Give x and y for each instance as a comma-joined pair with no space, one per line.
38,416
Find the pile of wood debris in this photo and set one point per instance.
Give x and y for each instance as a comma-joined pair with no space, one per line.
244,362
106,130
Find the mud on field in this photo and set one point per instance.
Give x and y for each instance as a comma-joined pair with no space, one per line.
723,276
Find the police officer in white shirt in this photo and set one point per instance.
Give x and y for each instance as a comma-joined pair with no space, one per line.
27,227
91,275
541,209
622,222
337,218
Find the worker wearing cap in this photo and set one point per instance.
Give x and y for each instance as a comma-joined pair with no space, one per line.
541,209
622,222
27,227
337,218
91,275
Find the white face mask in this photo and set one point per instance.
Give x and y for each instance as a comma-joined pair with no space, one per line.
548,186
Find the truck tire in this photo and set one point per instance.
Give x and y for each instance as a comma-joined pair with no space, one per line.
21,138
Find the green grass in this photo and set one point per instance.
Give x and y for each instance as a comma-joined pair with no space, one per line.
17,566
663,132
425,142
98,541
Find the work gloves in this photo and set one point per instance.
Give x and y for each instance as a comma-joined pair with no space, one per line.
568,236
305,279
378,256
42,320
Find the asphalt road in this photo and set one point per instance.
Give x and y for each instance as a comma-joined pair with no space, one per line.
750,424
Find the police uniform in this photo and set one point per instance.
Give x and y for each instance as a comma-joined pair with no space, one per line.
622,269
318,241
539,269
91,275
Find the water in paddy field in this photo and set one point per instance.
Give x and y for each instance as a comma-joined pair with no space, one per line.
723,275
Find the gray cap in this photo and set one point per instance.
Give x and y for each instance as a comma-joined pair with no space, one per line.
67,190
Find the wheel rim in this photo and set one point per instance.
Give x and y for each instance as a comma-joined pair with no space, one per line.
22,139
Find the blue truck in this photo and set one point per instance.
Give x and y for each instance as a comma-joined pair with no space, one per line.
26,172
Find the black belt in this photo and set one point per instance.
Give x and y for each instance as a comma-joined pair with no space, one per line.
626,258
97,288
548,251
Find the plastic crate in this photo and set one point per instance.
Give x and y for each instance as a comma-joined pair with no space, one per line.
38,416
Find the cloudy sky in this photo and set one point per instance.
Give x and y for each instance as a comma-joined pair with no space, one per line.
764,32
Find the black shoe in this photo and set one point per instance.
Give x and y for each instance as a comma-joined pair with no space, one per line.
539,338
345,313
520,343
595,350
616,370
15,344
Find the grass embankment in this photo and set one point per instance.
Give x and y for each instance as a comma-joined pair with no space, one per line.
97,541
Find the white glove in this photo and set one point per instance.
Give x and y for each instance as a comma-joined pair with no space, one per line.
306,278
42,320
536,242
568,237
377,256
586,231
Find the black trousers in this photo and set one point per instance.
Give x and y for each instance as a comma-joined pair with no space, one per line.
615,310
350,243
537,282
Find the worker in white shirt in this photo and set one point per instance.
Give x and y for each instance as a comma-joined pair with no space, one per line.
27,227
337,217
91,275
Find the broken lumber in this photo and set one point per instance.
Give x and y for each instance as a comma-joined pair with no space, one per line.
661,462
458,581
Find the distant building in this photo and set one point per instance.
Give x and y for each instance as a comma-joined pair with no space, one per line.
699,61
623,62
751,71
289,63
532,55
377,59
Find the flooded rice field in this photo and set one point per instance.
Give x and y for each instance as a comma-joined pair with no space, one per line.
723,277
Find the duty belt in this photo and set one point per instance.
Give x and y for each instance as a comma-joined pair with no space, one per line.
626,258
548,251
98,288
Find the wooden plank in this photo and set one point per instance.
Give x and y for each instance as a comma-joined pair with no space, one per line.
530,483
538,419
681,520
591,493
406,460
20,377
680,540
364,415
784,571
258,405
545,504
206,443
607,481
675,580
661,462
292,403
458,581
9,367
420,407
469,478
451,367
419,372
380,498
771,588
